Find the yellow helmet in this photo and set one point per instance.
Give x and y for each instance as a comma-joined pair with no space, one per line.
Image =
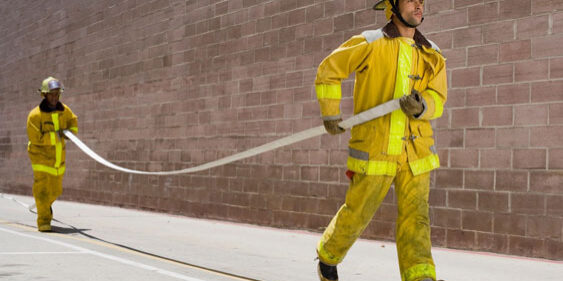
49,84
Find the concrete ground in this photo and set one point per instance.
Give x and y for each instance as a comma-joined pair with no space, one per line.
107,243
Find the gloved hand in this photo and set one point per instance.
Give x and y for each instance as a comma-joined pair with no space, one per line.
412,105
332,127
62,135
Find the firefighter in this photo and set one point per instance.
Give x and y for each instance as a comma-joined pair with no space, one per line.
46,148
394,62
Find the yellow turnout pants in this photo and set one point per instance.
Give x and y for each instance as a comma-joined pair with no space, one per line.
46,189
363,198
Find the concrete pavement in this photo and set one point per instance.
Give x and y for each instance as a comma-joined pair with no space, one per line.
108,243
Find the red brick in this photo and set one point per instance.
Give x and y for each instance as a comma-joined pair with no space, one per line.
467,158
493,202
497,74
557,23
438,6
468,37
465,117
444,40
448,178
484,180
513,137
456,98
466,77
479,14
546,182
554,249
530,71
438,237
487,54
556,68
437,197
509,224
555,157
532,27
539,6
513,94
510,9
522,246
544,227
364,18
455,57
531,114
495,158
497,243
479,138
554,206
463,199
546,136
548,46
527,203
478,221
481,96
449,138
497,116
460,239
499,32
512,181
465,3
547,91
453,19
343,22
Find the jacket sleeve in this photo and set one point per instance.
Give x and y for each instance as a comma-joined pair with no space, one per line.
347,58
435,95
72,121
36,137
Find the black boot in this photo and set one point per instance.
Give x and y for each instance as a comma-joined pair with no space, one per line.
327,272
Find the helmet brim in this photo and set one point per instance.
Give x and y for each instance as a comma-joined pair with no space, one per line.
380,6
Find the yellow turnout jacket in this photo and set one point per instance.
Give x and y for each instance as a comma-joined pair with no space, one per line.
386,67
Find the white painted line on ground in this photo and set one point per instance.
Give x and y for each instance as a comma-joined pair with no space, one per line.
106,256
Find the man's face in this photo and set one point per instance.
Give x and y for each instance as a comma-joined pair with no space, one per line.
411,11
53,97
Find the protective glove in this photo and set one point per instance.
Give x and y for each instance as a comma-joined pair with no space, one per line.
332,127
412,105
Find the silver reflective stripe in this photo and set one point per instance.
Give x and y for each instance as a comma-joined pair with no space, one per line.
358,154
372,35
330,118
433,149
434,46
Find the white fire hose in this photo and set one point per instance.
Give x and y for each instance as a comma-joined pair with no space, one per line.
365,116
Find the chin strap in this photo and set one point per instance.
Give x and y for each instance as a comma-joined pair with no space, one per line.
395,10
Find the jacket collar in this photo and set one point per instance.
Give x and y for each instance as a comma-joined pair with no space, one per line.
391,31
43,106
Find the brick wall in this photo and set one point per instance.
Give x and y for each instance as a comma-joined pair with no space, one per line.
165,85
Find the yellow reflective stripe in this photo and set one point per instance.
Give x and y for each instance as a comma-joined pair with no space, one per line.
58,145
48,170
53,138
371,167
419,272
55,118
74,129
328,91
325,256
425,164
438,105
402,87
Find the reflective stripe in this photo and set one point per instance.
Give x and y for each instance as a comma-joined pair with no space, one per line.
438,105
48,170
425,164
418,272
328,91
74,129
53,138
358,154
402,86
58,145
372,168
